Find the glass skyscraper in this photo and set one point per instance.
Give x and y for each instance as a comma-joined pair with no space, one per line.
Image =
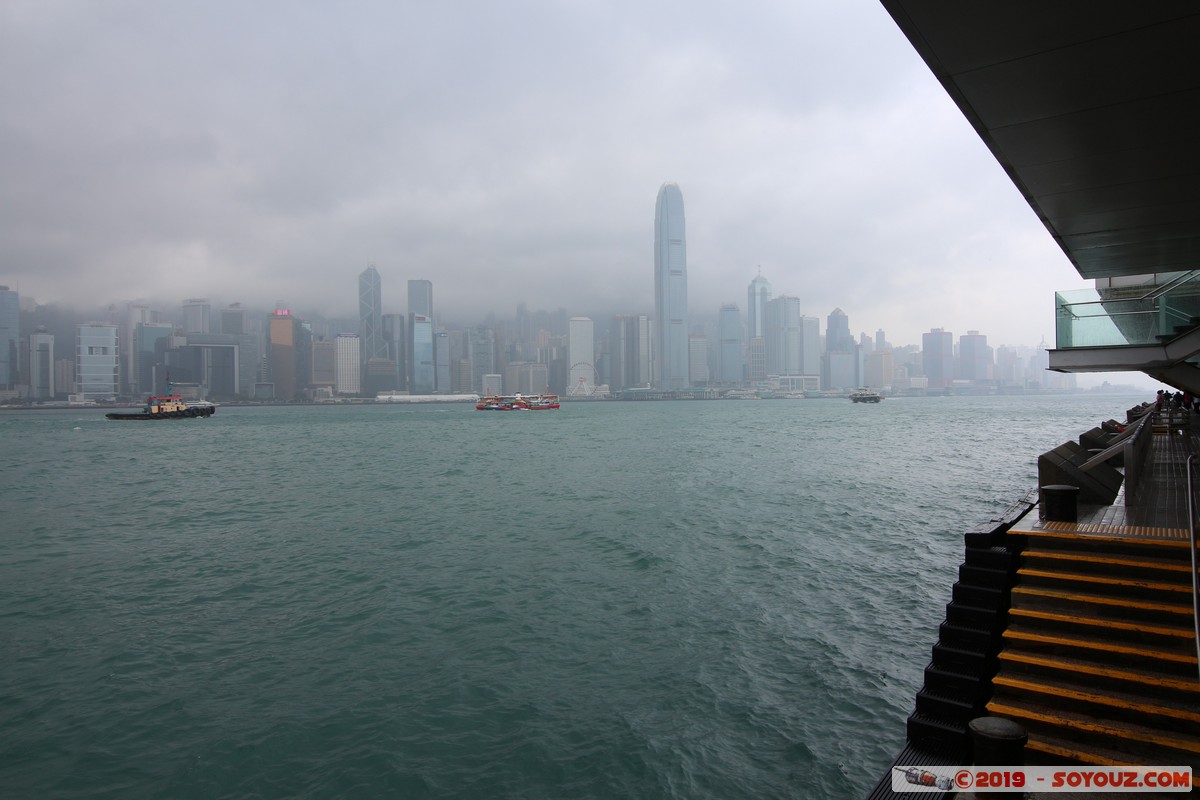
757,296
670,290
10,334
370,315
96,361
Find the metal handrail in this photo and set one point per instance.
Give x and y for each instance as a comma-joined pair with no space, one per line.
1195,575
1153,294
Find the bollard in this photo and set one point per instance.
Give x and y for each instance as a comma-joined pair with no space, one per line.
1060,502
997,742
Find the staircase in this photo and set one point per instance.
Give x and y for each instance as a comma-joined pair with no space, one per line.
1098,660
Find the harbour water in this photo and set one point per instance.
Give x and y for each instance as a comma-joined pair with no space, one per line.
614,600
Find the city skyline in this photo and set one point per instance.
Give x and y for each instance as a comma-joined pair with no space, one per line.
809,138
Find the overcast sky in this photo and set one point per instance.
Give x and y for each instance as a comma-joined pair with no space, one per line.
507,151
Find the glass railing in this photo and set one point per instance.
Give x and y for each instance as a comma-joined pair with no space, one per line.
1136,315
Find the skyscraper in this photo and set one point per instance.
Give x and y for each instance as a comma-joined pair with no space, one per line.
41,364
420,298
370,316
349,363
10,334
421,369
937,357
197,316
729,335
670,290
757,296
629,351
96,361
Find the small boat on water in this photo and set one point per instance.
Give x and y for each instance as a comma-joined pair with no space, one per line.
517,402
170,406
865,396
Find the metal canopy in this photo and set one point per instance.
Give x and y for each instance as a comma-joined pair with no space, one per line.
1093,109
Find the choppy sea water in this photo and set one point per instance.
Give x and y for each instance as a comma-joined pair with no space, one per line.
615,600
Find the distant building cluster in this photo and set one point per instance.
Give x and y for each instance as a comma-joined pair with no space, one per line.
278,356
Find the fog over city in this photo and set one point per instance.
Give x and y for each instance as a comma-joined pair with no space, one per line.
508,152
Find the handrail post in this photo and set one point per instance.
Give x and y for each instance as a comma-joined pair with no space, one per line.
1195,575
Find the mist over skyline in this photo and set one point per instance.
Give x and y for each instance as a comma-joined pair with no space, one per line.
508,153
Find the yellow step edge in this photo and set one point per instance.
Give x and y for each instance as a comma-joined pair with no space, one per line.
1103,559
1162,682
1087,757
1119,733
1104,580
1108,647
1124,602
1137,627
1072,536
1093,697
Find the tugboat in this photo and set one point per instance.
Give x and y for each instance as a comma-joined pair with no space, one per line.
169,406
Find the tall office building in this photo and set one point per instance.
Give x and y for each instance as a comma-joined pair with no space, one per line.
394,336
370,315
756,306
731,363
197,316
290,355
421,372
10,335
698,372
782,334
810,346
670,290
937,358
975,361
41,364
97,361
581,350
838,338
629,351
420,298
349,363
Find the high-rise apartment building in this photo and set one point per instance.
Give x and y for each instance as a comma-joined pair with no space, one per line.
937,358
10,335
670,290
372,343
757,296
731,363
97,361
